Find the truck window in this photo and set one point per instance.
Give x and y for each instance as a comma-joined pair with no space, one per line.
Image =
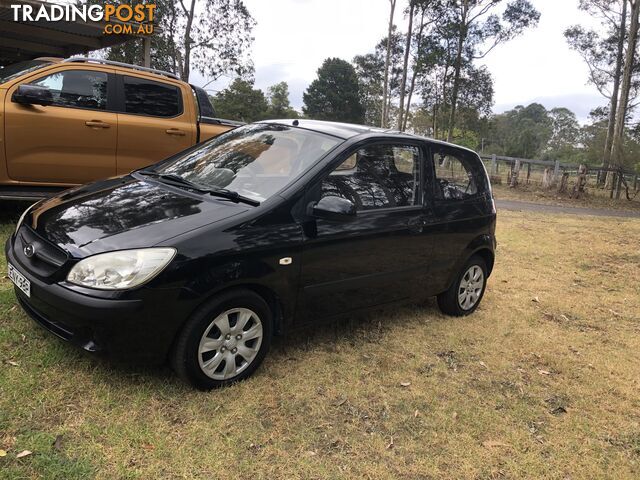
77,88
146,97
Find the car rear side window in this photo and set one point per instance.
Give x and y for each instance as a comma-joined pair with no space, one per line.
377,176
146,97
457,175
76,88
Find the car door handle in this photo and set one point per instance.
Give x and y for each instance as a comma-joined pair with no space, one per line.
97,124
175,131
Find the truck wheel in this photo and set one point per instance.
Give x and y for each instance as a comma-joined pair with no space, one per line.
224,341
464,296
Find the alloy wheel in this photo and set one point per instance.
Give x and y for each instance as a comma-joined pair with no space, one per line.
470,288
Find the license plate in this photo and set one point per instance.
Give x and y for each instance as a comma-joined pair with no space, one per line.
19,280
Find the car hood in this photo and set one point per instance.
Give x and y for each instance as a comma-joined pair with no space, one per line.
123,213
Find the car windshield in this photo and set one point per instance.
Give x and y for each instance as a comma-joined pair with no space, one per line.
255,161
15,70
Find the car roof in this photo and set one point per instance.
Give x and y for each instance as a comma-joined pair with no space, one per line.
347,131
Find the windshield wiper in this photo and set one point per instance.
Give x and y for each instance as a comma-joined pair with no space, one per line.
231,195
177,180
170,177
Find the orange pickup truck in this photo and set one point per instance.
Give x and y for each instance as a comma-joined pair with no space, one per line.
68,122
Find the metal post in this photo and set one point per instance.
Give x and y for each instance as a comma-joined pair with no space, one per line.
556,170
494,164
146,46
635,183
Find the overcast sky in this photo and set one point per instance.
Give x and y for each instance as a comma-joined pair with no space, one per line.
293,37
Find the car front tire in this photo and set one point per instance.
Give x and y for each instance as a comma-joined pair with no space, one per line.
464,296
224,341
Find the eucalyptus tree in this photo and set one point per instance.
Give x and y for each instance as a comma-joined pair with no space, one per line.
603,53
212,37
480,27
385,88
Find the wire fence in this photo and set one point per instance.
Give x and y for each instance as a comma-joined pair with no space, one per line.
548,174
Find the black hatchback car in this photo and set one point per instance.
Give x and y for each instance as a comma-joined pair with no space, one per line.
203,257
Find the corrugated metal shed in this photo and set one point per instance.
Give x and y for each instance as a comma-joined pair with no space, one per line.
23,41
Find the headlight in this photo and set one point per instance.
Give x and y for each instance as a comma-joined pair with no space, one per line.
120,270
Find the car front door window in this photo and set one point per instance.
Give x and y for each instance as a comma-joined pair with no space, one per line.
77,88
377,176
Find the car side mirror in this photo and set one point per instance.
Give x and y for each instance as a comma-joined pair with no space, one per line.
32,95
336,209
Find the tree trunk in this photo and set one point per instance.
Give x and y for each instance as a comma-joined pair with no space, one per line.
405,67
385,91
616,89
415,73
623,103
187,40
434,122
409,95
462,36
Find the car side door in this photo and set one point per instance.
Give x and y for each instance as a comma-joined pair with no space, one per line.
155,121
71,141
378,255
459,204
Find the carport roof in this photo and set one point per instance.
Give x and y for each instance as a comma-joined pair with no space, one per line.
28,40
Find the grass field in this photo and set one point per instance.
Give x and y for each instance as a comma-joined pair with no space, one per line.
542,382
591,199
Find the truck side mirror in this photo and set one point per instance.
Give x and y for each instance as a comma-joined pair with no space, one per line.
32,95
333,208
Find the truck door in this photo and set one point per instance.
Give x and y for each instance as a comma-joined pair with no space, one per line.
155,122
71,141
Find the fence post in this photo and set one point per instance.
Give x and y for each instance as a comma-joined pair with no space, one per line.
556,171
614,181
528,172
635,183
494,164
619,186
546,178
515,172
581,181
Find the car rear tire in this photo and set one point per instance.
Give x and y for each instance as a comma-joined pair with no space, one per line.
464,296
224,341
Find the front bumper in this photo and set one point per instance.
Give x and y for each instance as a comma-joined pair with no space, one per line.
136,330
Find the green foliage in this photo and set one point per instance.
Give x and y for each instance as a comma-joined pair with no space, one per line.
466,138
593,138
335,94
240,101
522,132
212,37
565,137
369,69
278,98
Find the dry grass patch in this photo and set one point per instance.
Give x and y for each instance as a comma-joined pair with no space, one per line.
542,382
593,198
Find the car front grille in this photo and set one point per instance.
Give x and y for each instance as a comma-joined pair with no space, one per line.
40,256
